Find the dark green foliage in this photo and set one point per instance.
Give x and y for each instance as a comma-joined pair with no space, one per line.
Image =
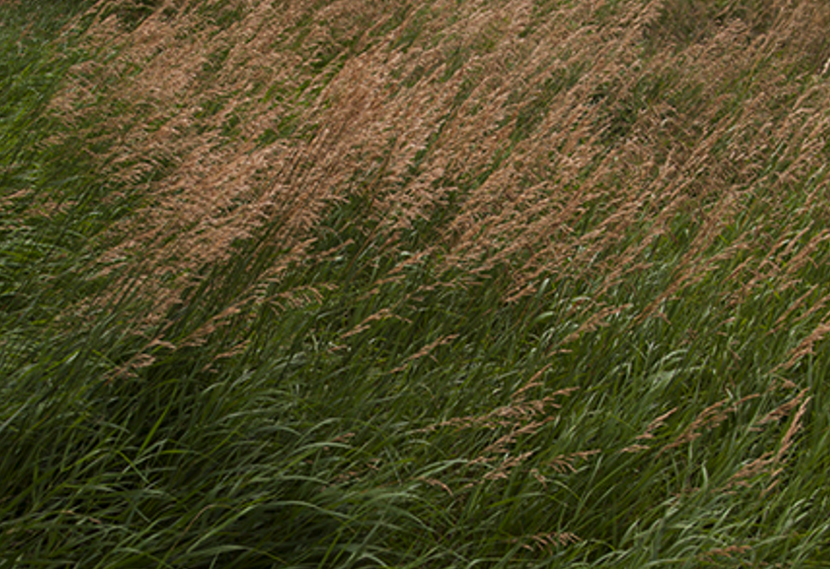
352,384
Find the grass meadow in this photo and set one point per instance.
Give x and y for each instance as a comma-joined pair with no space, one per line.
448,283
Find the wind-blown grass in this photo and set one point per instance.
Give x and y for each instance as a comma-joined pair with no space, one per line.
532,284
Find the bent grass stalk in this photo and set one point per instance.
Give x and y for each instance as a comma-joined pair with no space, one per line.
395,284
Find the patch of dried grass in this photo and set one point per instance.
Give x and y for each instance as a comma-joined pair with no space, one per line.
538,137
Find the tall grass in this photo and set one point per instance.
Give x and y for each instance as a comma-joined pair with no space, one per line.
437,284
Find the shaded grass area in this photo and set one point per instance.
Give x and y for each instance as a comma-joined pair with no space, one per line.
391,359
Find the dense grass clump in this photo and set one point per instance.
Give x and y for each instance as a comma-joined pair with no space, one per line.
396,284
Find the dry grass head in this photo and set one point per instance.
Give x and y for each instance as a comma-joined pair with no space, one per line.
509,140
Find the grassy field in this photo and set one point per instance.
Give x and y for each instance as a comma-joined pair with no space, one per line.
479,283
